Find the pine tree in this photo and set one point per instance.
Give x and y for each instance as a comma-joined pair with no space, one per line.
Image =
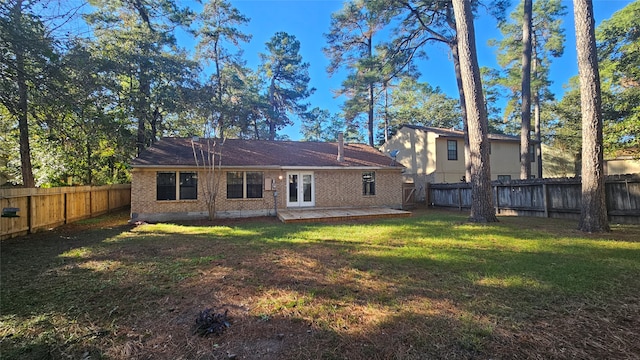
593,210
482,209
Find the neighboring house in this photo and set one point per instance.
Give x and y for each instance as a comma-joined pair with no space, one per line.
436,155
560,163
622,165
167,184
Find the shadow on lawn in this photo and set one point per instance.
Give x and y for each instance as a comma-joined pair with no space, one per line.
124,293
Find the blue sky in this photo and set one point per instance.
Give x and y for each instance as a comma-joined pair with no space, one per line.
308,20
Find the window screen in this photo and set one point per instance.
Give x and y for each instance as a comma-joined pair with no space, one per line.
188,186
166,186
234,185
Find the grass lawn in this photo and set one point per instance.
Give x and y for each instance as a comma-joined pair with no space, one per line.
424,287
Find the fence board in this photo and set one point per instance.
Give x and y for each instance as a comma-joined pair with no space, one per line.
547,197
15,225
46,208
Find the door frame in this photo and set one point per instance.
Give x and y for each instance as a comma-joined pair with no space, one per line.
300,189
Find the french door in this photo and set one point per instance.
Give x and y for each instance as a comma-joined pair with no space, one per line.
300,189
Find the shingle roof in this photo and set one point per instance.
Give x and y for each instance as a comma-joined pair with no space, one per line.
237,152
459,133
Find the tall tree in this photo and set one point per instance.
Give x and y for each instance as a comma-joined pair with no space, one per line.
219,28
593,211
320,125
619,53
351,44
525,131
288,79
25,50
547,42
418,103
139,37
482,209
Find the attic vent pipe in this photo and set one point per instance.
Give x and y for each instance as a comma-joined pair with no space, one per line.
340,147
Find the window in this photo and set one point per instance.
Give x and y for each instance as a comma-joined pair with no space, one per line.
168,189
234,185
166,186
532,153
368,183
188,186
254,185
452,150
504,178
245,185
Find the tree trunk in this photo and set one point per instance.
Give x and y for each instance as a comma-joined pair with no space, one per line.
23,102
272,121
525,131
463,109
143,108
482,209
537,132
536,108
371,100
593,211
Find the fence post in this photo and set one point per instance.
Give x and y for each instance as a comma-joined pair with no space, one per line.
497,201
544,200
626,185
30,207
66,210
459,198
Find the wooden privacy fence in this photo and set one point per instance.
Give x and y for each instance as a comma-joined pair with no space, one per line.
546,197
47,208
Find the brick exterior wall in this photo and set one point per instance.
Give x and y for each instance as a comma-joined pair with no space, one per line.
333,188
343,188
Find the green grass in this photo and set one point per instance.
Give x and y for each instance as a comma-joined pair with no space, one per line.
427,286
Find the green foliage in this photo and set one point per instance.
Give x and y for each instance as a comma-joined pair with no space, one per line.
547,43
618,41
619,55
287,77
353,44
420,104
219,30
320,125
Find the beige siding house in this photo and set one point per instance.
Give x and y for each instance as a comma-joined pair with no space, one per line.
559,163
436,155
255,177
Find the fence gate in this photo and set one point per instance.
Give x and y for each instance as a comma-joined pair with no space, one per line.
408,196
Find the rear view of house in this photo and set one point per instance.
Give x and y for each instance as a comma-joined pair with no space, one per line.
256,177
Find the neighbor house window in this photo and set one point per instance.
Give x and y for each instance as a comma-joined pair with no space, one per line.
368,183
245,185
532,152
452,150
167,188
504,178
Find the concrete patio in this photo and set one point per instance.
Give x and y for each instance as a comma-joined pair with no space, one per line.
322,215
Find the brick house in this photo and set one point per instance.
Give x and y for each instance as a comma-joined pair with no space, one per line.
253,174
436,155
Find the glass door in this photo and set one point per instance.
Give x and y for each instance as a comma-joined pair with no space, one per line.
300,189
